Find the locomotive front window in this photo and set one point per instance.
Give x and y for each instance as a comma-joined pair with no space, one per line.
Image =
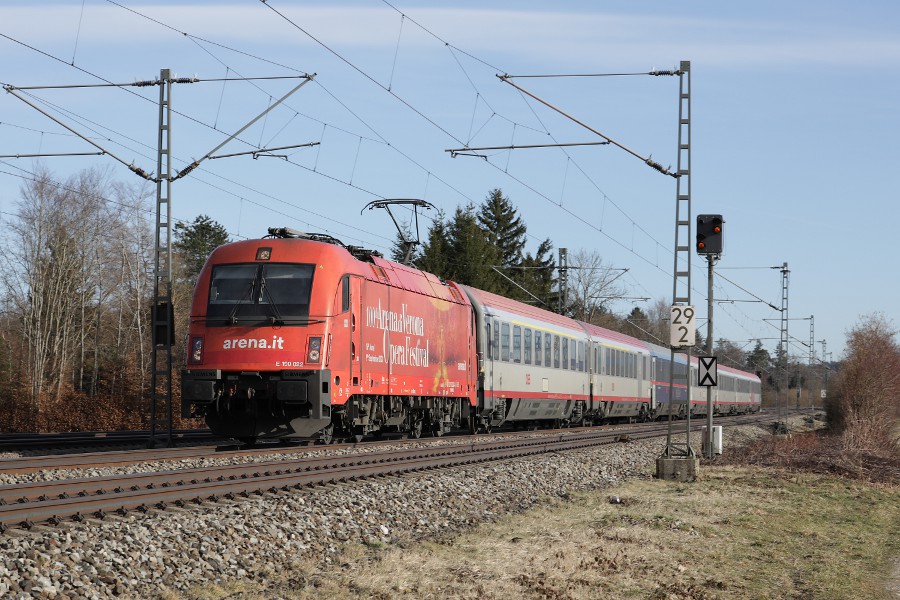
252,294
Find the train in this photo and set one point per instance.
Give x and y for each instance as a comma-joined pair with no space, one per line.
298,336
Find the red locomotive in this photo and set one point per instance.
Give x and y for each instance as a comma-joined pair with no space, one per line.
299,336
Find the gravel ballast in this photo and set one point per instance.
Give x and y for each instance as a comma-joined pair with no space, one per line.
147,555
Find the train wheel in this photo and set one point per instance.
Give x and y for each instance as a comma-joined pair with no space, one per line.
327,435
249,442
357,435
415,429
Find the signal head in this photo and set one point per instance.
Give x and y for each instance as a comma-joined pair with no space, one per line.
710,232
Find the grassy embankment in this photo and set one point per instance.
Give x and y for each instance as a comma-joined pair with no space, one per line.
738,532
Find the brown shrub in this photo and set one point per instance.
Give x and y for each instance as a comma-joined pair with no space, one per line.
819,451
865,409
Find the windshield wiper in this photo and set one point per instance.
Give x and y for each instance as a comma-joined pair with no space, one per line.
247,295
264,292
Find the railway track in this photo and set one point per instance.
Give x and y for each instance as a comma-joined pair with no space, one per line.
52,502
60,442
106,458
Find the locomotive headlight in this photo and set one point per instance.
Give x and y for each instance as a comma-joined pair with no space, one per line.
314,352
196,352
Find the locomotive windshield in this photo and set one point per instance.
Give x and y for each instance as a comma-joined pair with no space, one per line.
254,294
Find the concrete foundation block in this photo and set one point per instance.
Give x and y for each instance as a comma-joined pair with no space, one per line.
677,469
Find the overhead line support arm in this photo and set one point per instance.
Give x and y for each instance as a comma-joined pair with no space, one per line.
647,160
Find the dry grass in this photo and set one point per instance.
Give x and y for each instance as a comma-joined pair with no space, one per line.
738,532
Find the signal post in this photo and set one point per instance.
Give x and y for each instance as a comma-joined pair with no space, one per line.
710,243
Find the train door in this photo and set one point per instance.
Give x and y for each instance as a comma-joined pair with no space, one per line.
492,348
356,342
595,378
493,406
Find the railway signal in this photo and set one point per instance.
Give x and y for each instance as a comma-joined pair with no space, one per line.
710,234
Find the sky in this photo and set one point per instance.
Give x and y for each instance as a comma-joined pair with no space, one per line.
794,130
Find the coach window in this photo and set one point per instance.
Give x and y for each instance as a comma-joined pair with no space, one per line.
565,353
555,351
537,348
487,336
573,355
548,342
517,344
581,356
504,342
527,346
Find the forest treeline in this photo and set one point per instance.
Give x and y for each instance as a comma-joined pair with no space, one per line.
77,278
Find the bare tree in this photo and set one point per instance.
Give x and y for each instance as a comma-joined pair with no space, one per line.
593,285
729,354
71,250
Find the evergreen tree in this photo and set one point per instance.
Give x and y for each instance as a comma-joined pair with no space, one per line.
195,242
434,256
537,276
505,231
400,247
637,324
471,255
759,360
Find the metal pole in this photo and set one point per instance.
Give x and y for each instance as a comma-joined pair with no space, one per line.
563,299
709,352
785,344
161,321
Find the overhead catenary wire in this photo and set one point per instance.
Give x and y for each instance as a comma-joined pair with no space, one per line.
429,173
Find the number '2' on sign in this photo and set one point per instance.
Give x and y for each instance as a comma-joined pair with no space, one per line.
683,326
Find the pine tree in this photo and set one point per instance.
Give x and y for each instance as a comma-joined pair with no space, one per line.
400,247
471,255
505,231
195,242
637,324
435,252
537,277
759,360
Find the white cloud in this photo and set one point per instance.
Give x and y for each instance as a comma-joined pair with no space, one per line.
568,37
